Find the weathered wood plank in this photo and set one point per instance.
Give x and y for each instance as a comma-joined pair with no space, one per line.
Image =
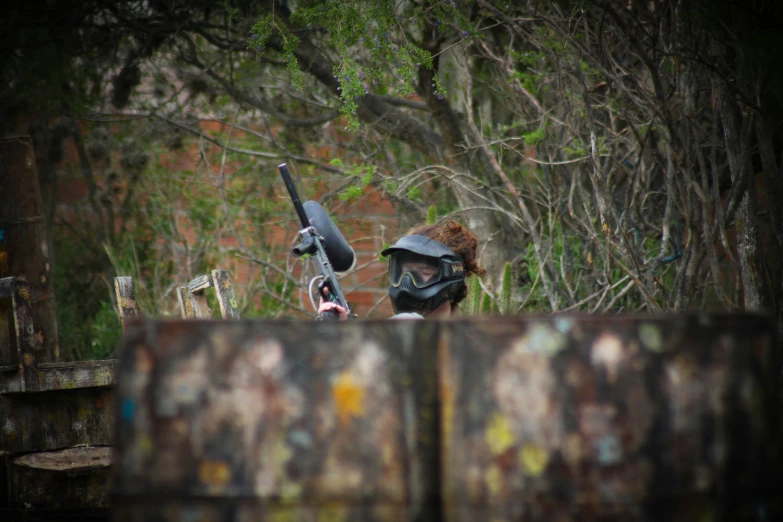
185,304
65,376
225,294
67,478
198,296
200,304
26,344
9,355
78,374
51,420
9,345
4,456
126,298
22,223
200,283
282,418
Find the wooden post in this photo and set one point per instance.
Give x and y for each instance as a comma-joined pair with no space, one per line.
24,346
10,360
126,298
185,304
225,294
198,296
25,254
4,457
193,300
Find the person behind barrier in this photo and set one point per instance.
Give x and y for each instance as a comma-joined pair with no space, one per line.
427,271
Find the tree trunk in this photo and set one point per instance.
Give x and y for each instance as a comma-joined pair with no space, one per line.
755,289
23,230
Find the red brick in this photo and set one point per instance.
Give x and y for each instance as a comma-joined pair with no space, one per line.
70,191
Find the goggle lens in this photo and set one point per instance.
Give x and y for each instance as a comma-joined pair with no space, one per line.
423,270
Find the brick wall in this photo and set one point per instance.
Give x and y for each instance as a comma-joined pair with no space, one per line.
366,223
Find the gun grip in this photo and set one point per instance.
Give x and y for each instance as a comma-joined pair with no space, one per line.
326,295
329,315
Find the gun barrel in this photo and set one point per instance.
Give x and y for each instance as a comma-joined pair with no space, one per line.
289,184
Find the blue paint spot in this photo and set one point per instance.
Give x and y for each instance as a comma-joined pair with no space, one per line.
608,450
2,234
301,438
128,410
563,324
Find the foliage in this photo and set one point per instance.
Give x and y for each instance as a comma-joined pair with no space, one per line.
506,289
472,303
605,150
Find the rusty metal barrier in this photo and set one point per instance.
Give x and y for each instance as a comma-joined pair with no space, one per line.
557,418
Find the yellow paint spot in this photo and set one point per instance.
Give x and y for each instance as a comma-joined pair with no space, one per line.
706,512
534,459
348,397
145,444
283,514
290,492
214,472
388,454
333,513
28,359
84,414
498,434
651,337
282,451
493,478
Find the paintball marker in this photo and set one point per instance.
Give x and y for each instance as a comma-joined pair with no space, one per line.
322,240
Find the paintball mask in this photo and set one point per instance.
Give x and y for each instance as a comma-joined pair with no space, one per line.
423,274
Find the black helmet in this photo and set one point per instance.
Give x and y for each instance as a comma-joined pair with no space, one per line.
423,274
